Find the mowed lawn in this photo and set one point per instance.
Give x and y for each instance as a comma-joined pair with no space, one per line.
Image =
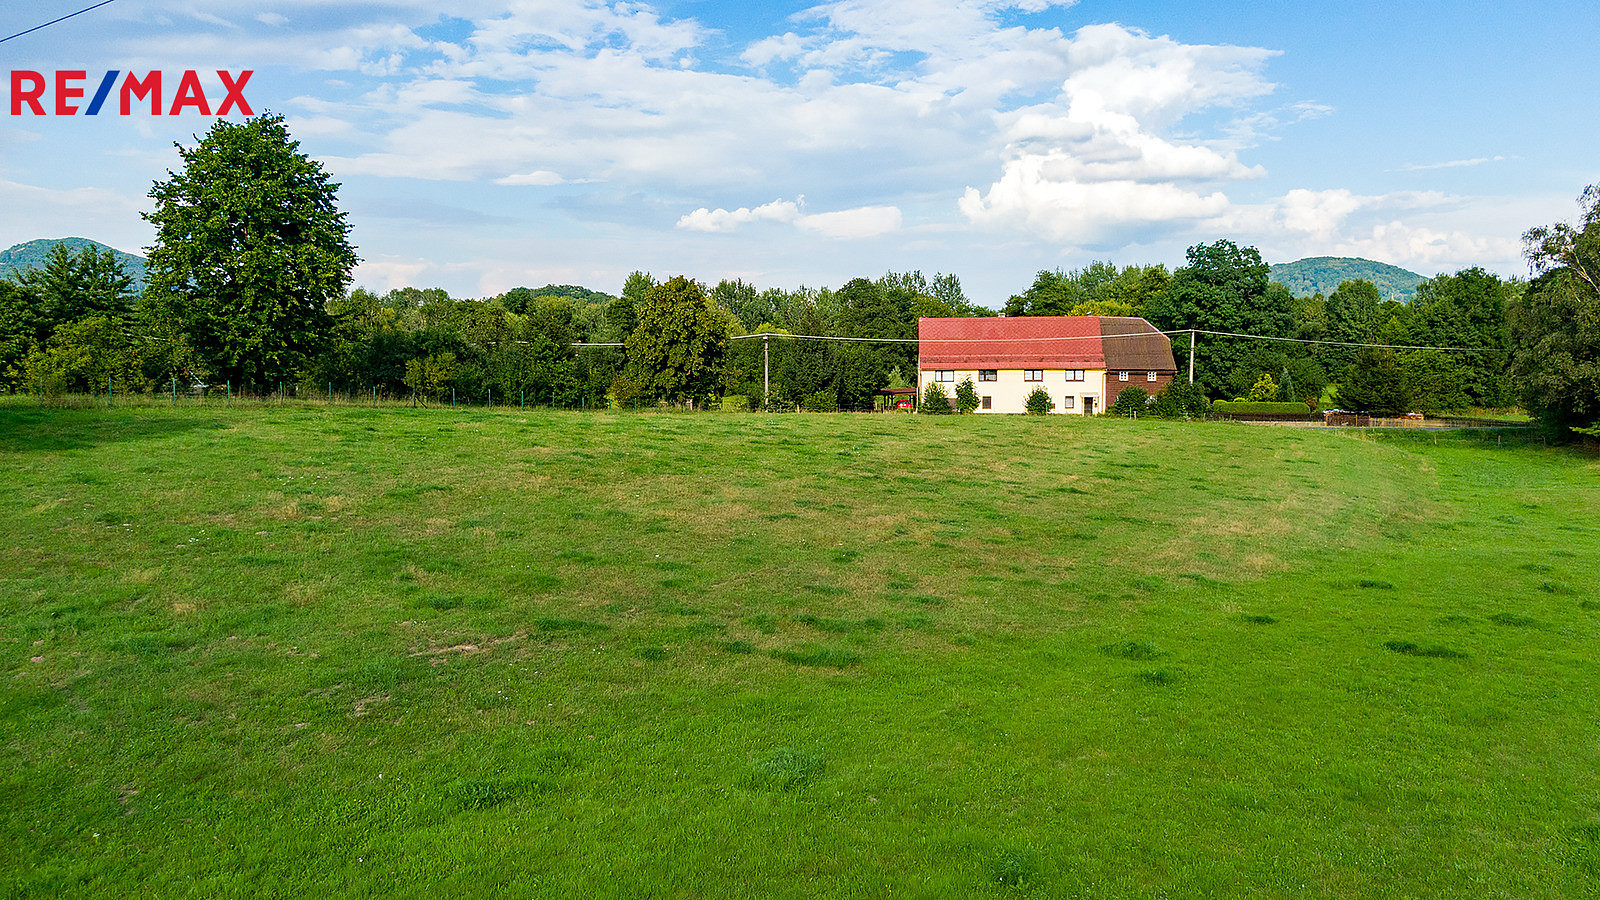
306,651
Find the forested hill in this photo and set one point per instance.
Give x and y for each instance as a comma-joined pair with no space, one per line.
1324,273
33,254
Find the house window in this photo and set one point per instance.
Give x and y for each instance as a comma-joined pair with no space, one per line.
1122,376
988,403
945,375
1068,402
988,375
1074,374
1149,376
1032,374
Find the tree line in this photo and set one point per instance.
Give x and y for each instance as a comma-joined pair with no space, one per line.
249,284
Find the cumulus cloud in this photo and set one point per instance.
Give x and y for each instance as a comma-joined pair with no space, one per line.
722,220
860,222
1097,160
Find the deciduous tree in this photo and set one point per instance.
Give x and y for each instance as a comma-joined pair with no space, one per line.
250,247
1555,328
675,351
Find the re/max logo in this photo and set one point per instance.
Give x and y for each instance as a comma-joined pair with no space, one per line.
28,90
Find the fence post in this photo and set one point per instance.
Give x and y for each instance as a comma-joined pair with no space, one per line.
452,397
491,397
174,390
109,402
230,391
522,398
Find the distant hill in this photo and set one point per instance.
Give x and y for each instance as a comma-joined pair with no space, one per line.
32,255
1325,273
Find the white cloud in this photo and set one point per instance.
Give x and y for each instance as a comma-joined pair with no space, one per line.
1083,213
1095,162
33,212
1426,249
722,220
541,178
1452,164
861,222
272,18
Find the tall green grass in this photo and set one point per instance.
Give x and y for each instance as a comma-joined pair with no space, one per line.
314,651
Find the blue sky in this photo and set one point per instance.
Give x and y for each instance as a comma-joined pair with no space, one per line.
796,143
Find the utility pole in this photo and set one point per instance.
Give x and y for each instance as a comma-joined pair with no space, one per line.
766,371
1191,356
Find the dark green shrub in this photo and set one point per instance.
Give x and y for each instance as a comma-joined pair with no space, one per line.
935,402
1039,402
821,401
1130,404
966,397
1181,400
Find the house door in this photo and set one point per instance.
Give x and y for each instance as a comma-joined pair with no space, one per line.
1088,406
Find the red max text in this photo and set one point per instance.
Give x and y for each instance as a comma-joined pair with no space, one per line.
28,90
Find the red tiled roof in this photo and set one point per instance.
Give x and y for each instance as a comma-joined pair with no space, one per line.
1043,342
1021,342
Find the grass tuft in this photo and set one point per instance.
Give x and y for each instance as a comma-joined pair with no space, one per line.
786,770
817,655
1258,619
485,793
578,625
1133,650
1410,648
1515,620
1013,867
651,652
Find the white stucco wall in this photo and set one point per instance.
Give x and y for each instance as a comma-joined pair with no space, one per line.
1009,393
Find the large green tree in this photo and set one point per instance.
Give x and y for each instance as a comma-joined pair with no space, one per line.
1223,288
250,248
1555,328
1468,309
676,350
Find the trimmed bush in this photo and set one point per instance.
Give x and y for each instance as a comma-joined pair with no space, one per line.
1252,408
935,401
1039,402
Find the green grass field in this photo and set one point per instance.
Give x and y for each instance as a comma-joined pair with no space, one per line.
330,652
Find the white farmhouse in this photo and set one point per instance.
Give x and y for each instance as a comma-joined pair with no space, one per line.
1082,362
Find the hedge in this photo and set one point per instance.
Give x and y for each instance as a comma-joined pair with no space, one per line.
1256,408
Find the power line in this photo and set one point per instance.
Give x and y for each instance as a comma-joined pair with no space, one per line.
1103,337
56,21
1258,337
